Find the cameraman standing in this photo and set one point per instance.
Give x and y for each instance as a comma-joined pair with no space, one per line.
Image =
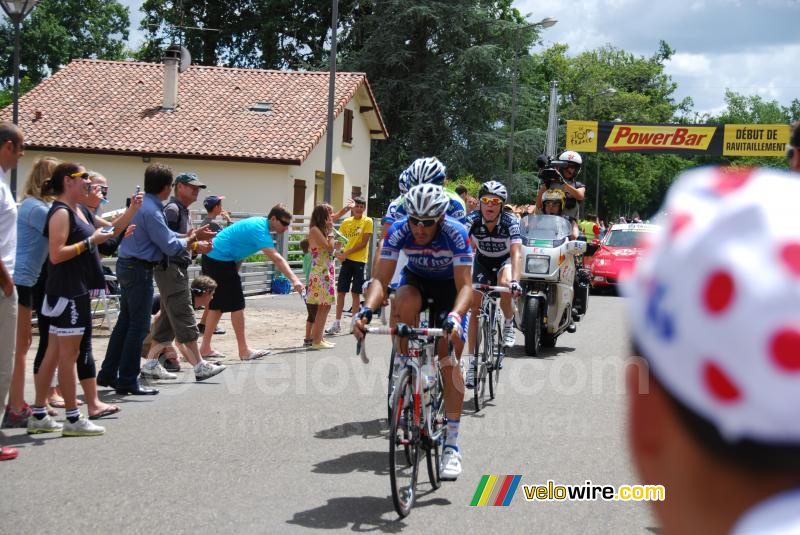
561,174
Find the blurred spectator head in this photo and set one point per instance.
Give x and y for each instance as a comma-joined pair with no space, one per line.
304,244
714,320
793,150
212,201
39,175
157,176
11,145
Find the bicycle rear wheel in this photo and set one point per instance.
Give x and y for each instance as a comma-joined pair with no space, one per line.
438,429
483,348
403,445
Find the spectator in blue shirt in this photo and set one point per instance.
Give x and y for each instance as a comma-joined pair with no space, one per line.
138,255
232,245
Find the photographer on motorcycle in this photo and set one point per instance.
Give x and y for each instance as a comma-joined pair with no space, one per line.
561,174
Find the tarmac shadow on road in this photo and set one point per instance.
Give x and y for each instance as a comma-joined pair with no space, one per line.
360,461
376,428
518,352
359,513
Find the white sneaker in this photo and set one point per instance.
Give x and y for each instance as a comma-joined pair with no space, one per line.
157,372
509,335
336,328
47,424
207,370
451,464
470,380
82,428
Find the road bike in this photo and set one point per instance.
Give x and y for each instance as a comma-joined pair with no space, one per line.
417,419
489,344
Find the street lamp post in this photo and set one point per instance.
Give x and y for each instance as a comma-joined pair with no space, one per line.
607,92
331,92
16,10
544,23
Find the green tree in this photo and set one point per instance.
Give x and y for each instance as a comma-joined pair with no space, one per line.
58,31
440,72
267,34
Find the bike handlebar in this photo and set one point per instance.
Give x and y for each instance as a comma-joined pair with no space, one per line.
489,288
401,329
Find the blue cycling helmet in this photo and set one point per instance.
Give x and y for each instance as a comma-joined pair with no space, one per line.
404,181
427,171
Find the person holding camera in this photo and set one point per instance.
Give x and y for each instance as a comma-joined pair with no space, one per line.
562,174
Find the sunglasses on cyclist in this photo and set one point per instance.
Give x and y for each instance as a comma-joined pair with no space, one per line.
421,222
492,201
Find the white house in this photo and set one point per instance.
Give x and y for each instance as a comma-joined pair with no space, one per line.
255,136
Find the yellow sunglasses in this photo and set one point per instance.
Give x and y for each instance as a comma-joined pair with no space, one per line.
492,201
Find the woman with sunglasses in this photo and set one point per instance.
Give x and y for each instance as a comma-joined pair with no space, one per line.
73,269
28,274
495,236
232,245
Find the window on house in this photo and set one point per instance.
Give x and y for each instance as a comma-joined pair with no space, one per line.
355,192
347,133
299,204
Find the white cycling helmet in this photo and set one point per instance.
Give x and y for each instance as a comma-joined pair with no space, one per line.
426,171
493,187
570,156
426,201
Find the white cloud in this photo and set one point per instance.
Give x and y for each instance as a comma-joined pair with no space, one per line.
748,46
688,64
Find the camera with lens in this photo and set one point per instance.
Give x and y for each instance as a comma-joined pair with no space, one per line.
550,171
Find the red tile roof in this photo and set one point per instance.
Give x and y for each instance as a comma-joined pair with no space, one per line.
114,107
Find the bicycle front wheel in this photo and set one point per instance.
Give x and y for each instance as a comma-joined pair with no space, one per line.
483,353
493,364
437,435
403,445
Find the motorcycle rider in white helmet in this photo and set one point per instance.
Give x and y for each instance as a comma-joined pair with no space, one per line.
569,163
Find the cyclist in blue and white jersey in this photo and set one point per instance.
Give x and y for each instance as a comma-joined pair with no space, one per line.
439,268
498,258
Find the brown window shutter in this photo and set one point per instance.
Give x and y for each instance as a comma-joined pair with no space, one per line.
347,134
299,197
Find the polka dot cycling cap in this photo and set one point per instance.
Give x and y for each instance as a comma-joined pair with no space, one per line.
715,301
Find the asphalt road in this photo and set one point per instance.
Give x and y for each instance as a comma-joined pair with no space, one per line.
297,442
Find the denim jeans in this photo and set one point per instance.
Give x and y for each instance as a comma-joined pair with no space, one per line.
122,362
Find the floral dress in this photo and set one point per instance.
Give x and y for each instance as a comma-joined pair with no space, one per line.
321,286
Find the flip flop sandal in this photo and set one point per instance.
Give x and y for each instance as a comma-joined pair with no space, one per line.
258,354
112,409
6,454
214,355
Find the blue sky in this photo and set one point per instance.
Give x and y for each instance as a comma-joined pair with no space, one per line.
749,46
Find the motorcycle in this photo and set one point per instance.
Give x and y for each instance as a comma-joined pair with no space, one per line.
545,310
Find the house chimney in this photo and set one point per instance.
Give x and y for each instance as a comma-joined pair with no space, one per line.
171,59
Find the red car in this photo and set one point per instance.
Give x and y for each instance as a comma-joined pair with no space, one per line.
617,253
